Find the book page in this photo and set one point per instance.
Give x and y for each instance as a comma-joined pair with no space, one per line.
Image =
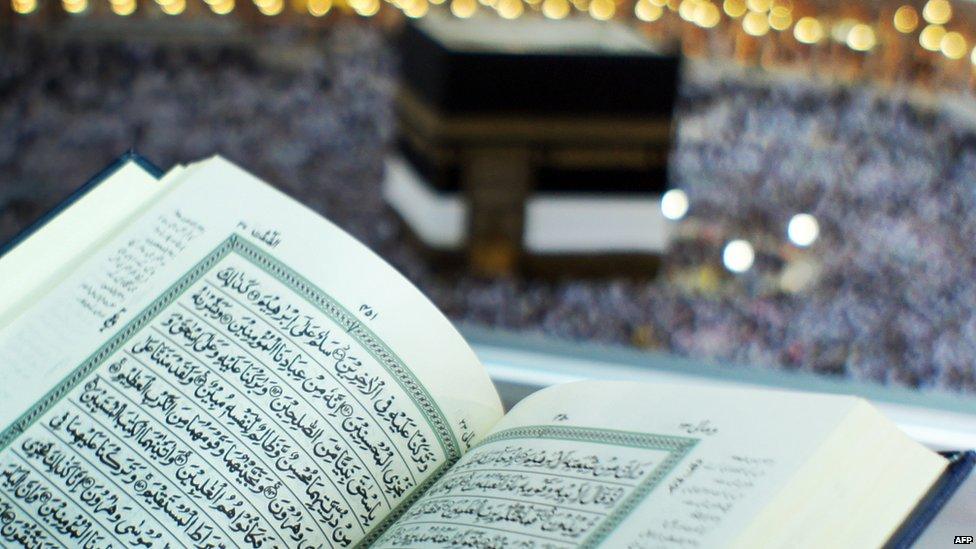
266,381
64,241
622,465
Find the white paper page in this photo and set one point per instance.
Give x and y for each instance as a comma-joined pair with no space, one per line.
271,382
47,338
620,464
40,262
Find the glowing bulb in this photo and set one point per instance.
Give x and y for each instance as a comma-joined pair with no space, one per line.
510,9
557,9
803,229
707,15
416,9
761,6
318,8
463,8
734,8
602,9
222,7
931,37
906,19
268,8
124,8
780,18
738,256
953,45
755,23
674,204
937,12
645,10
808,30
23,7
173,7
368,8
861,37
75,6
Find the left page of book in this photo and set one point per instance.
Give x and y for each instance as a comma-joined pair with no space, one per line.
35,265
230,371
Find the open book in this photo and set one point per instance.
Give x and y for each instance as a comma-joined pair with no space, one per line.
200,361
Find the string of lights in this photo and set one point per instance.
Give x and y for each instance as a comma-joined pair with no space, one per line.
936,26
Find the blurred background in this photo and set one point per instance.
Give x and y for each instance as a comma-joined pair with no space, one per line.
774,185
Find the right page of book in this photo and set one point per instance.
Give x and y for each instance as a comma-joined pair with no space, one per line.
625,465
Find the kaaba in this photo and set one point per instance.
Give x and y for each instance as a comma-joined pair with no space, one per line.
533,144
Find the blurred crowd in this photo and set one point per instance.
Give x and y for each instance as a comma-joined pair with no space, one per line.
891,182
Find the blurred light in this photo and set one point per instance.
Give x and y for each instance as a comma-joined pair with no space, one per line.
318,8
465,8
937,12
931,37
953,45
780,18
803,229
755,23
175,7
602,9
416,9
223,7
124,8
674,204
558,9
738,256
643,9
23,7
269,8
707,15
761,6
75,6
972,57
798,275
841,29
510,9
734,8
861,37
808,30
906,19
686,10
368,8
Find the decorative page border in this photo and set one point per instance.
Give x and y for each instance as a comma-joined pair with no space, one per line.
305,289
677,448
